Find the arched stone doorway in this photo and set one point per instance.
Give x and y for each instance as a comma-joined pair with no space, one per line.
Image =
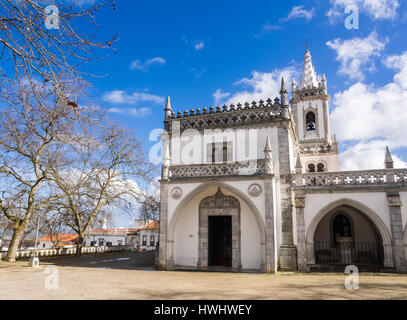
253,233
219,232
346,236
348,232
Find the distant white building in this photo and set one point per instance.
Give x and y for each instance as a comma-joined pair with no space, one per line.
107,237
145,238
65,240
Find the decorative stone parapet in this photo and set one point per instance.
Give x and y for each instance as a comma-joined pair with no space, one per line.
366,177
249,113
318,148
309,92
218,170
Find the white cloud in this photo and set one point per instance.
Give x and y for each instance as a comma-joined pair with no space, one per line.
121,97
200,45
296,12
266,28
299,12
373,117
219,95
198,73
136,112
377,9
144,66
367,155
356,54
262,85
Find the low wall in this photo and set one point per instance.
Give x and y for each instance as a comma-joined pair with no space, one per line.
24,254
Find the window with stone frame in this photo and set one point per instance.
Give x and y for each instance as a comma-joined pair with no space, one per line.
219,152
310,123
311,167
341,227
320,167
144,241
152,240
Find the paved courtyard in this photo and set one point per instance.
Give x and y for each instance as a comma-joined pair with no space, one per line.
131,276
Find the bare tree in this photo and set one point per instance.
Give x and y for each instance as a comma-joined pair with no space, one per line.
53,224
43,43
102,175
5,226
150,208
34,123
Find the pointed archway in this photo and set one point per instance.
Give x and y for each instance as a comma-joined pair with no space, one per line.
363,210
191,196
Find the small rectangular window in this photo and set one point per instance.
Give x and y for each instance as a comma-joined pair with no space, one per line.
152,240
144,240
219,152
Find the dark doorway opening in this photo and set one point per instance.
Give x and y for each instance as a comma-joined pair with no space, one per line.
220,241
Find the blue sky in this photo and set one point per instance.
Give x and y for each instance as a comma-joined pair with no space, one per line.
191,49
206,52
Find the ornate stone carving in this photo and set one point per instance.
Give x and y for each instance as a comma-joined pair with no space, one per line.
299,202
318,147
308,92
367,177
394,200
176,193
256,112
219,200
255,190
218,170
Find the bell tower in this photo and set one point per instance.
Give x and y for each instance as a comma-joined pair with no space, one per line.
310,105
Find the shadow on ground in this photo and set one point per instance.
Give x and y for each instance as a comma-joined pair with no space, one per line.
110,260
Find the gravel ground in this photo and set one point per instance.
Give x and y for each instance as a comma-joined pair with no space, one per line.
131,276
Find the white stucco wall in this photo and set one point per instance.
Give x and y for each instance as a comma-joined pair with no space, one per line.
403,197
330,161
241,185
247,144
115,239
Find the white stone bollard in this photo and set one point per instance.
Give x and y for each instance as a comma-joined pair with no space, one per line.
34,262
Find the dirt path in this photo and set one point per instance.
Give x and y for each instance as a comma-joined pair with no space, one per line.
130,276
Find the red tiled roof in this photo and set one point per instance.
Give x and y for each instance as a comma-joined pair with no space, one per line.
153,225
63,244
61,237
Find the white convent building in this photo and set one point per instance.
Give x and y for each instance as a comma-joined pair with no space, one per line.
258,186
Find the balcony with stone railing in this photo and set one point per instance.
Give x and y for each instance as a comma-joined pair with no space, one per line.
246,168
348,178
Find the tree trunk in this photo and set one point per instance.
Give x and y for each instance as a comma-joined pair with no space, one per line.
15,240
79,246
4,235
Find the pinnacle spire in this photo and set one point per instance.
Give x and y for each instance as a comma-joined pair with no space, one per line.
283,93
309,76
268,145
268,157
388,160
298,164
168,108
